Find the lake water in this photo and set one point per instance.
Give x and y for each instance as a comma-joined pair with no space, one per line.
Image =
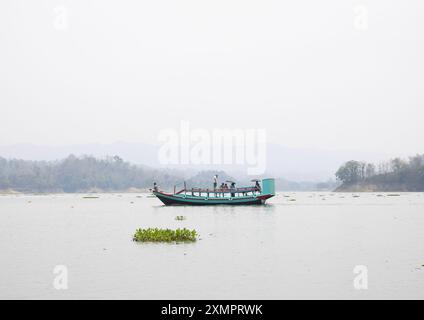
301,245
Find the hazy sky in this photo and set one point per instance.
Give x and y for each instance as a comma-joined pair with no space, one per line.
329,74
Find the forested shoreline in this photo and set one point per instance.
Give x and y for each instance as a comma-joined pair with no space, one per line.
394,175
78,174
111,174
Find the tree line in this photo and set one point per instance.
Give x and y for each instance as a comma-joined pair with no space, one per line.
78,174
408,173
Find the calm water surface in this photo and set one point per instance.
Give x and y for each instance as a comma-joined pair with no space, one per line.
301,245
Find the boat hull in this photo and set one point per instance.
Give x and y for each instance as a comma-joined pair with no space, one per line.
170,199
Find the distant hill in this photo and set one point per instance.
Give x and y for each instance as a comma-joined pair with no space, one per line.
112,173
294,164
394,175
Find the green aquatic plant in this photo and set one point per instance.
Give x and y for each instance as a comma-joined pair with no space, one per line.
165,235
180,218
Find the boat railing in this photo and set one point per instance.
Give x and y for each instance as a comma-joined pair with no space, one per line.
219,190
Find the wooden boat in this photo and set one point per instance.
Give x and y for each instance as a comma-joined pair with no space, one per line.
230,196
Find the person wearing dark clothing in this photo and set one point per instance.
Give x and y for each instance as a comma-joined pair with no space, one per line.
233,188
257,186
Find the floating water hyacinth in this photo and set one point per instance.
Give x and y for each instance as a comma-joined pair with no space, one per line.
165,235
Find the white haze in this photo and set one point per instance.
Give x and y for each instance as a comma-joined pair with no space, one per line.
124,70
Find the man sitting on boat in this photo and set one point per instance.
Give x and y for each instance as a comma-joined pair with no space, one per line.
222,188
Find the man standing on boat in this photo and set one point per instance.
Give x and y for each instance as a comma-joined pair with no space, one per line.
233,188
215,182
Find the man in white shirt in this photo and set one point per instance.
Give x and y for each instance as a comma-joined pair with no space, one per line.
215,182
